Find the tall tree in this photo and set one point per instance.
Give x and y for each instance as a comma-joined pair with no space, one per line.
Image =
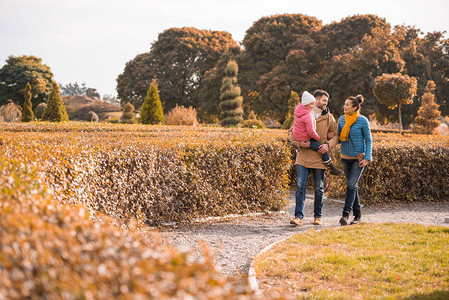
17,72
151,111
27,115
267,44
55,110
230,99
427,120
178,59
394,90
352,71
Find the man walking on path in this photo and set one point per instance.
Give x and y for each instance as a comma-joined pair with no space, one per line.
307,159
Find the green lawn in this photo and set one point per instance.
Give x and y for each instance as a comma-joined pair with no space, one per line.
360,262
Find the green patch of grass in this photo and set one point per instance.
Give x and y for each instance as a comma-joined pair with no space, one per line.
359,262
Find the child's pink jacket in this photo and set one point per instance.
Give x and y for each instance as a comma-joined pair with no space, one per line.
304,125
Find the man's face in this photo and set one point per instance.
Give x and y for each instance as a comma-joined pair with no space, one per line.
321,102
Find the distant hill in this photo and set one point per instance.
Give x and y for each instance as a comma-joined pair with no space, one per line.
78,106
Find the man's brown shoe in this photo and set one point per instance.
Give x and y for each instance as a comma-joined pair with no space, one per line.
296,221
317,221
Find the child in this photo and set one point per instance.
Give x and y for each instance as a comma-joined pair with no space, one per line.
304,128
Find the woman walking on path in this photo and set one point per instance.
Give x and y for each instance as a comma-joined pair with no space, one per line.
355,137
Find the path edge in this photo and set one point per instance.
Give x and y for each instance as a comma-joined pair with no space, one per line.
252,278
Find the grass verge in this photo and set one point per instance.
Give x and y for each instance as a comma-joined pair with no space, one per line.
359,262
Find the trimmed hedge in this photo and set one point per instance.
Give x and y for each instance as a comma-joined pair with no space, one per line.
404,168
157,173
149,173
53,251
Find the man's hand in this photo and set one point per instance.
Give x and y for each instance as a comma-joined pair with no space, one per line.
305,144
330,135
323,148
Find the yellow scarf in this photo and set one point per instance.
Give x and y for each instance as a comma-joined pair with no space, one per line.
349,121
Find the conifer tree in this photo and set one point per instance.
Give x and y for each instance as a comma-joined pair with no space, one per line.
151,111
292,103
27,114
427,120
55,110
230,99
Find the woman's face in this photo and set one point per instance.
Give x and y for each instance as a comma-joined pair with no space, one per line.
348,108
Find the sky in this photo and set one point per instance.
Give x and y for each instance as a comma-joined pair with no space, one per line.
91,40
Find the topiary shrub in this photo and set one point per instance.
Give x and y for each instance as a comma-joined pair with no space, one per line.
128,116
39,111
253,122
10,112
427,120
28,114
230,99
91,117
55,110
113,120
151,111
182,116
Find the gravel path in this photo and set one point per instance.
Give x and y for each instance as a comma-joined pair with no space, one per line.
236,241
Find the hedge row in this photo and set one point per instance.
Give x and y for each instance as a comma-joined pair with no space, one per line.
156,173
404,168
53,251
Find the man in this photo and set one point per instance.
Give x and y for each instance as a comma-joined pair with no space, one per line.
309,160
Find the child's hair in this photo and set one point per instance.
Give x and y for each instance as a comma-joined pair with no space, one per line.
356,101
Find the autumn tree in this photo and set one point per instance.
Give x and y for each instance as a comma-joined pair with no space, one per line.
395,90
27,115
230,99
151,111
427,120
351,71
292,102
267,45
17,72
178,59
55,110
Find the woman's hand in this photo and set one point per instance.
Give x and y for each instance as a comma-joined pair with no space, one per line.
363,163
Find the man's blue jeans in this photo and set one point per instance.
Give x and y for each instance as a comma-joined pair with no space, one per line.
352,173
315,145
318,181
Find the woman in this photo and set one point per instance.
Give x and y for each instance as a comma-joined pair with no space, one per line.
355,138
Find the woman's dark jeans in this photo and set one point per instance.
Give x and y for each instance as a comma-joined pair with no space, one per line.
352,173
315,145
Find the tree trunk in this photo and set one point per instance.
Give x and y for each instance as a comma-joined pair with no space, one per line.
400,120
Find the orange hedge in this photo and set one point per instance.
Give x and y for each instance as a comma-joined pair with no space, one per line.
155,173
53,251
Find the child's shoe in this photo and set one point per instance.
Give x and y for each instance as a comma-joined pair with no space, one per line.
333,170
